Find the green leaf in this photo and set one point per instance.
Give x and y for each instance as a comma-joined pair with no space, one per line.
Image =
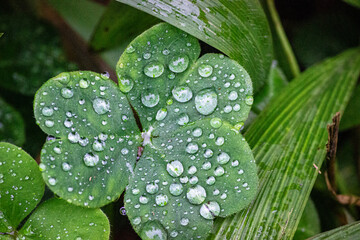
237,28
355,3
309,224
351,117
118,25
55,219
12,127
96,142
349,232
288,139
21,186
1,34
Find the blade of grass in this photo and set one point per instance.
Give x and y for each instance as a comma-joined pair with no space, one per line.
348,232
289,144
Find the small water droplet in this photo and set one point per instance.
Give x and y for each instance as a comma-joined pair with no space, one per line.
192,170
182,94
236,107
101,106
49,123
175,168
193,180
130,49
122,211
68,123
219,171
249,100
161,114
98,146
91,159
208,153
183,119
215,122
175,189
52,181
67,93
47,111
179,63
143,200
233,95
197,132
84,83
210,180
219,141
136,221
147,56
161,200
154,69
206,101
150,98
73,137
205,70
152,188
206,165
125,83
65,166
223,158
196,195
153,230
192,148
210,210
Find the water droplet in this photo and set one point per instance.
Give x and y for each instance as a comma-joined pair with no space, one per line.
125,83
208,153
236,107
147,56
219,141
73,137
68,123
192,148
161,200
48,112
91,159
206,165
175,189
219,171
173,233
49,123
193,180
65,166
42,167
143,200
153,230
154,69
205,70
122,211
84,83
166,51
136,221
179,63
150,99
196,194
233,95
210,210
152,188
175,168
161,114
130,49
182,94
101,106
184,179
249,100
67,93
215,122
98,146
183,119
206,101
197,132
83,141
192,170
223,158
227,109
239,126
210,180
235,163
52,181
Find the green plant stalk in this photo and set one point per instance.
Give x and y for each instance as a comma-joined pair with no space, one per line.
349,232
284,42
288,141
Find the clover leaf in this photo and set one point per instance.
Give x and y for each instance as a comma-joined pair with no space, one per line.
169,134
21,189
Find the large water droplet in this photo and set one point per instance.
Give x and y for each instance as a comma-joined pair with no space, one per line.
210,210
182,94
67,93
215,122
152,188
125,83
161,114
179,63
175,189
223,158
192,148
48,112
196,194
183,119
150,98
101,106
161,200
153,230
175,168
91,159
205,70
206,101
154,69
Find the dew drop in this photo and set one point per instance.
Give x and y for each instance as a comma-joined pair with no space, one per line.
52,181
192,170
152,188
83,142
147,56
179,63
205,70
182,94
193,180
206,101
49,123
125,83
223,158
130,49
210,180
208,153
136,221
196,194
197,132
183,119
215,122
184,221
219,171
68,123
154,69
236,107
150,99
161,114
219,141
249,100
48,112
161,200
175,168
210,210
83,83
233,95
65,166
67,93
101,106
73,137
192,148
98,146
206,165
122,211
91,159
153,230
175,189
143,200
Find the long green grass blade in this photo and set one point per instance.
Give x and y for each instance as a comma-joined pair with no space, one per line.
237,28
348,232
288,141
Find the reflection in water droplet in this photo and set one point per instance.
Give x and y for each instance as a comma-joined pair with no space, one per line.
205,70
161,114
67,93
223,158
125,83
192,148
179,63
182,94
161,200
154,69
91,159
175,168
175,189
215,122
150,98
47,111
122,211
183,119
196,194
206,101
210,210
